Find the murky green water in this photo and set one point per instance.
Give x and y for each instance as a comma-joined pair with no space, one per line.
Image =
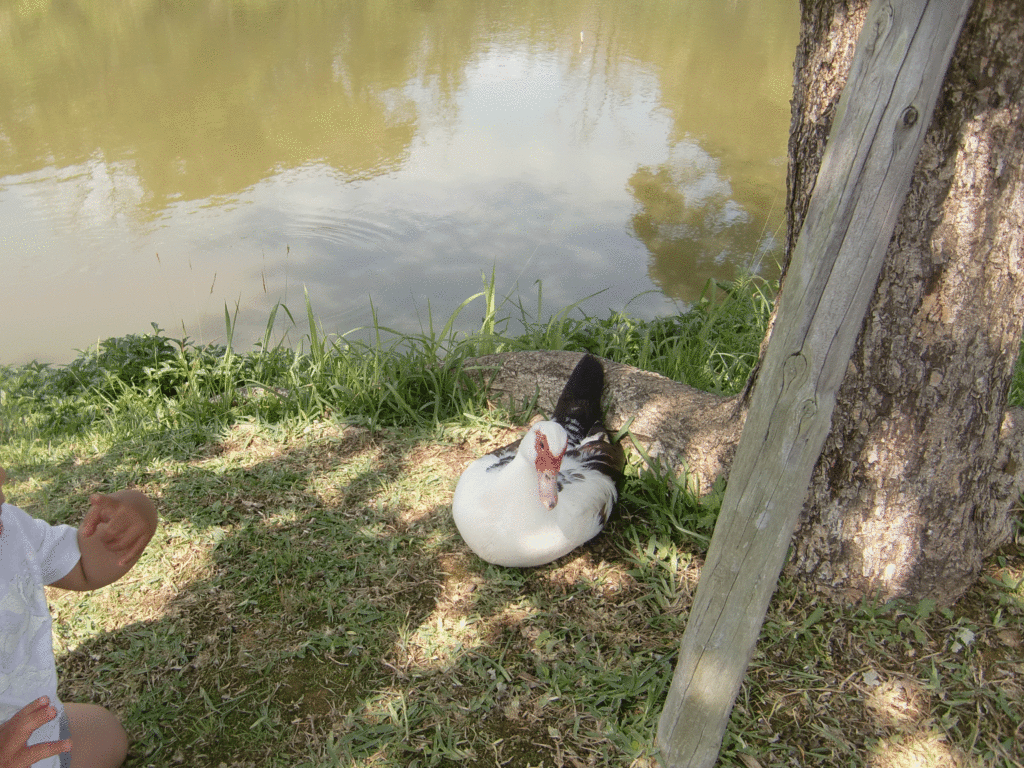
159,161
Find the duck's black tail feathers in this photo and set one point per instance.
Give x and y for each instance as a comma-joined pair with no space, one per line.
579,407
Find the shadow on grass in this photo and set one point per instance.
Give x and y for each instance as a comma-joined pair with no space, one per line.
308,601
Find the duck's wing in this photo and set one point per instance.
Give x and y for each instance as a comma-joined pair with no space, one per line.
595,458
597,452
501,457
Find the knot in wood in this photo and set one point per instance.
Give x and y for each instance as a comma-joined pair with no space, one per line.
909,117
808,410
794,371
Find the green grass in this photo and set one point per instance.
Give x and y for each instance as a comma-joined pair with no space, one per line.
308,602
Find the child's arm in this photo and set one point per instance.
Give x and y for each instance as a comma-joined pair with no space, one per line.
15,733
111,538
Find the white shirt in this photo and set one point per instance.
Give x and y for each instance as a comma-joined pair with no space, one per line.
32,553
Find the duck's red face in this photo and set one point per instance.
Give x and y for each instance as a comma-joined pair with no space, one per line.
548,465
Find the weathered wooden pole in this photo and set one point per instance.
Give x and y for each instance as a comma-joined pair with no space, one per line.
886,107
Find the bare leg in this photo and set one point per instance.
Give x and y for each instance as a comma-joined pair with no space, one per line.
97,738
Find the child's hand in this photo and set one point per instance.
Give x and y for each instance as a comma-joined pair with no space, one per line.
111,538
119,524
15,733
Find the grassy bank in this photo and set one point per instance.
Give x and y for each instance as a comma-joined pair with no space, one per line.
308,602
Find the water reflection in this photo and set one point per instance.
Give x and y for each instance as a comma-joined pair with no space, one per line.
692,223
160,161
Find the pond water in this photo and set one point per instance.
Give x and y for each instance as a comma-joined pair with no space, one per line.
160,162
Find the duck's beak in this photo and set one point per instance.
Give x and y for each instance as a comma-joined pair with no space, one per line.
547,488
547,473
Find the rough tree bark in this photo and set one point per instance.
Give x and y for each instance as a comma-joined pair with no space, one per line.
922,468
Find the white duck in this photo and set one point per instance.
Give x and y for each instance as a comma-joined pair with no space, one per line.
542,496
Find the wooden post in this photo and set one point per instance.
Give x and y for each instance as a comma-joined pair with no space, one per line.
900,62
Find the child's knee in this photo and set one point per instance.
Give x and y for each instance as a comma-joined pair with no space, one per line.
98,740
118,737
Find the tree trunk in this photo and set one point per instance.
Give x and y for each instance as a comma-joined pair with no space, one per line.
921,470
